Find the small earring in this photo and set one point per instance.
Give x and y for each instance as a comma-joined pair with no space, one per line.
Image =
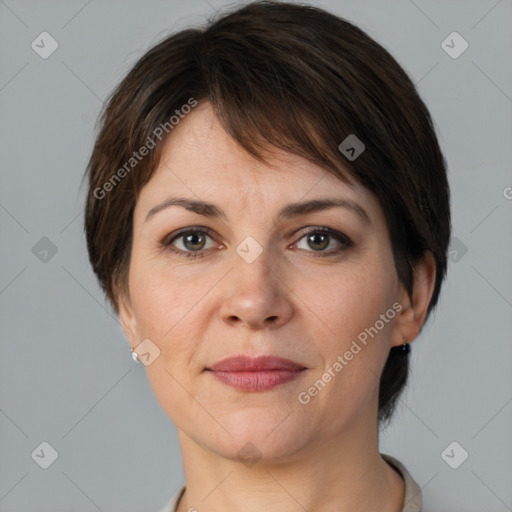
135,356
406,347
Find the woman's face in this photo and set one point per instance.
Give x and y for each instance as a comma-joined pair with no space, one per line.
253,282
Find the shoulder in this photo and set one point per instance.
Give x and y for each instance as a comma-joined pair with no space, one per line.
172,504
412,501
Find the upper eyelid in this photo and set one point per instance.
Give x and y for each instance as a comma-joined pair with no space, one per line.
185,231
324,229
339,236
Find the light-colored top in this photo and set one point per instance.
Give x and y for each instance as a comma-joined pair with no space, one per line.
412,501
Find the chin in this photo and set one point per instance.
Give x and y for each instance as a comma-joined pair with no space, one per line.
253,439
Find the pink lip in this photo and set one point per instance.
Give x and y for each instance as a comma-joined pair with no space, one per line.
251,364
256,374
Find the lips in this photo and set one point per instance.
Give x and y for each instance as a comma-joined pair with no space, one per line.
255,374
255,364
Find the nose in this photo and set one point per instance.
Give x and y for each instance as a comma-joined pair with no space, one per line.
256,295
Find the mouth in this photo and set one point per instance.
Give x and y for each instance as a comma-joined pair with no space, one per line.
263,363
262,373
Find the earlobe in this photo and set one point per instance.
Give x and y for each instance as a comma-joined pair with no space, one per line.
415,308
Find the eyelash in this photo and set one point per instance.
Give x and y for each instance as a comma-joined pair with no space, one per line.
340,237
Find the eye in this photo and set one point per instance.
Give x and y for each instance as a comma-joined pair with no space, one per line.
320,238
190,242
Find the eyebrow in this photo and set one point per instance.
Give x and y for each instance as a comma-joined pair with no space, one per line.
289,211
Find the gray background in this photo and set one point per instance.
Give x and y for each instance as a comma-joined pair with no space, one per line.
67,377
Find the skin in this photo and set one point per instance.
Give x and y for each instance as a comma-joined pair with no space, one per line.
289,302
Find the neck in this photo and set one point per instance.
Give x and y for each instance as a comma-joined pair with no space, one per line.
343,472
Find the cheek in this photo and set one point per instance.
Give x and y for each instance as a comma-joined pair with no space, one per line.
350,306
353,350
166,310
171,309
349,302
162,298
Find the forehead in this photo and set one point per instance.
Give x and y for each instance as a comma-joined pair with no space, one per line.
199,159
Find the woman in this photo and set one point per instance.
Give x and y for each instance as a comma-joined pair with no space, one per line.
268,214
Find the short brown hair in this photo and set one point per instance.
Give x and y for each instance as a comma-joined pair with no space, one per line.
298,78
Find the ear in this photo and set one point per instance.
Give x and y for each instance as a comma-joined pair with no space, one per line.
127,317
414,309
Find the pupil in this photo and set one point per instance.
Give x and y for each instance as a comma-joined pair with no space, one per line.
325,238
189,238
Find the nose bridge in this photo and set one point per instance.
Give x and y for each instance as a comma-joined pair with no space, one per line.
255,293
255,268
